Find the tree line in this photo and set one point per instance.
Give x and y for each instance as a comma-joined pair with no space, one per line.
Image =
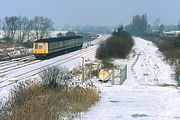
20,28
139,26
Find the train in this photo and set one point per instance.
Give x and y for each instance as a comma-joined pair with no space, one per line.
44,48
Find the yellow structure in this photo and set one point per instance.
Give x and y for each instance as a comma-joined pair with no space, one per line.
40,48
104,75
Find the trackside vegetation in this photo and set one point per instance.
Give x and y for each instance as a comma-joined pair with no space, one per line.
170,47
51,100
117,46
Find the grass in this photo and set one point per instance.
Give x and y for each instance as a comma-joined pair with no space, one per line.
170,47
44,103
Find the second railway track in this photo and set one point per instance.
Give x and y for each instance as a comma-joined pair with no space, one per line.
5,63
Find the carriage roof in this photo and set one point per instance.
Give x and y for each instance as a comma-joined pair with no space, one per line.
57,39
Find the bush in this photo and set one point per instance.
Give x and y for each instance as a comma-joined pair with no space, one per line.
118,45
106,64
55,77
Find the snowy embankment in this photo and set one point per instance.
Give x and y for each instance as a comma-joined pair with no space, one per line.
144,95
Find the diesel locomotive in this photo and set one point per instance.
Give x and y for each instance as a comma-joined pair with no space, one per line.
42,48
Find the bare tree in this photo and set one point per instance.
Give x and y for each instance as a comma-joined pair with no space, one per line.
29,28
24,27
41,25
10,27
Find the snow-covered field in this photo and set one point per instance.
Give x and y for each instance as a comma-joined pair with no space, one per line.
144,95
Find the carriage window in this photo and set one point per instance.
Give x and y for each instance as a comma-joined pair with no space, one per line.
44,46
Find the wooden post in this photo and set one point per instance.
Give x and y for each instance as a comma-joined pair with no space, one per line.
90,74
121,77
98,70
125,71
113,74
82,58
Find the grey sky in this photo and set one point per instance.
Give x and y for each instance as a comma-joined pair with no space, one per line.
93,12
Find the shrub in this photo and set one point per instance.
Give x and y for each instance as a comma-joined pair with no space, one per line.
117,46
55,76
106,64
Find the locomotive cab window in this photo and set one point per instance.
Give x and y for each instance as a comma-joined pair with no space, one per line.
40,46
36,46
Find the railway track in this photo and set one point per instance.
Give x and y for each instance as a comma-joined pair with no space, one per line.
153,68
133,65
35,71
6,70
9,66
149,67
4,62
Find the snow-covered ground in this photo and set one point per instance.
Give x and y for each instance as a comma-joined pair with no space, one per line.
135,102
144,95
1,34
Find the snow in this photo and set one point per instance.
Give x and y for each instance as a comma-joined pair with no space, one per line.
150,67
1,34
142,96
122,102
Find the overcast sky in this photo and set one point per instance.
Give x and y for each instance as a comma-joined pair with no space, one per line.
93,12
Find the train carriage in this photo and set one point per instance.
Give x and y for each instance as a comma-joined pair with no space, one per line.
51,46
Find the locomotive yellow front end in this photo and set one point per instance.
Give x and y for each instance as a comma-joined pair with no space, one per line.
40,49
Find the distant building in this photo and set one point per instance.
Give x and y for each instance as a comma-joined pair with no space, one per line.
171,34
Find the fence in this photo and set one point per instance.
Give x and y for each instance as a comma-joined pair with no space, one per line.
122,74
91,69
